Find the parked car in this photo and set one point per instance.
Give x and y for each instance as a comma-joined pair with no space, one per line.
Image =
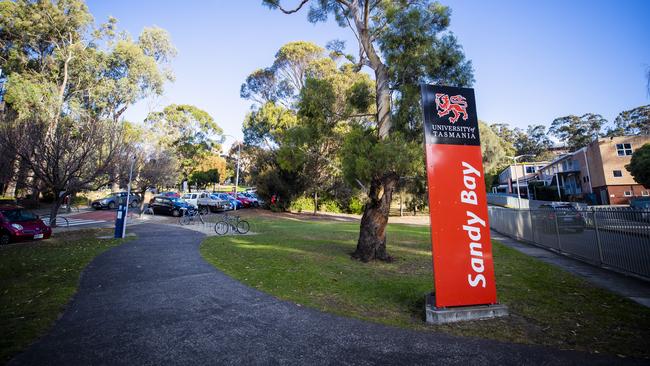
170,194
191,199
232,202
114,199
18,224
210,202
245,201
162,205
567,216
255,201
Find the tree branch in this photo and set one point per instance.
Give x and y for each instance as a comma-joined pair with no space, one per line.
277,3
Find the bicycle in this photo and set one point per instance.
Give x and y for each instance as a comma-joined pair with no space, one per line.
59,221
234,222
189,216
69,208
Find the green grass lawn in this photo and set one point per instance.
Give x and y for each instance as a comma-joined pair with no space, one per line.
308,262
37,280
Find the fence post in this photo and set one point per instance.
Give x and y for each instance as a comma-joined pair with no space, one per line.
532,227
557,232
600,248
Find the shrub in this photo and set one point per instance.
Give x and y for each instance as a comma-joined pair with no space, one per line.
301,204
80,200
355,206
329,205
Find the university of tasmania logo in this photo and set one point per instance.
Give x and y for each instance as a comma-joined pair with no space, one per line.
455,104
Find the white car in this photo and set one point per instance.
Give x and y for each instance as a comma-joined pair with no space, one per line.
210,202
191,199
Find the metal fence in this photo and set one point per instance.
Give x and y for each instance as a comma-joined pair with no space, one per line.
613,238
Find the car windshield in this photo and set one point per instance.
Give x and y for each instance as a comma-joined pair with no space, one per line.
187,196
176,200
18,215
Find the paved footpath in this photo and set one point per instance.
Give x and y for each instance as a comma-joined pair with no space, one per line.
155,301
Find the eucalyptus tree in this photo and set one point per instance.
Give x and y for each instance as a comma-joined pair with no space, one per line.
188,130
577,132
632,122
67,84
403,43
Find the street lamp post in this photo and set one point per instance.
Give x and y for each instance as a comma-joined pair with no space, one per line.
237,174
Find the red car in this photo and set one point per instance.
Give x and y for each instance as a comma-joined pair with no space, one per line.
170,194
244,201
18,224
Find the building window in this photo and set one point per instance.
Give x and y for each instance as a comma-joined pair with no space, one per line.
645,193
627,194
624,149
618,173
530,169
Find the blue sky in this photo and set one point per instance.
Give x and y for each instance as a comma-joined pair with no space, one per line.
533,61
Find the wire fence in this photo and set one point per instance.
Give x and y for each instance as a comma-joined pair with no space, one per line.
615,238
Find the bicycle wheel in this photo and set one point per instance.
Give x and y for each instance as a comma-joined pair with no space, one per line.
243,227
221,227
200,218
184,220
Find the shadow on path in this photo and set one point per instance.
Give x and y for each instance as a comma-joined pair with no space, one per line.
155,300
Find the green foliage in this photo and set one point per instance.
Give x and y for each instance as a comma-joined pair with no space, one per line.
577,132
492,149
329,205
639,166
302,204
267,125
364,156
203,178
80,200
191,132
633,122
355,206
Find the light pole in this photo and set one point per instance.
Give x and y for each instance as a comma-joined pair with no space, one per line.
517,178
237,174
128,195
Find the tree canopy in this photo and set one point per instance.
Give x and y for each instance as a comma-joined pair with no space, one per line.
191,132
639,166
68,82
377,147
577,132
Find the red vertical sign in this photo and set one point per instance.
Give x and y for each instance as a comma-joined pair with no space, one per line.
463,269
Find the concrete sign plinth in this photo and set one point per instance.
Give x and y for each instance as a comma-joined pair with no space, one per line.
462,313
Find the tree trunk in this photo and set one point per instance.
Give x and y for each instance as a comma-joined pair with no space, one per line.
372,234
315,202
55,206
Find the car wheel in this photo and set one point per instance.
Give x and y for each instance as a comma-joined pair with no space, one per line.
111,206
4,238
176,213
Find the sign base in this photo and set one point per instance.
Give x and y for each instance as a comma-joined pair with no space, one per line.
461,313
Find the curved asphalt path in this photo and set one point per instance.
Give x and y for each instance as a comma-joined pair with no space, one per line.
155,301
